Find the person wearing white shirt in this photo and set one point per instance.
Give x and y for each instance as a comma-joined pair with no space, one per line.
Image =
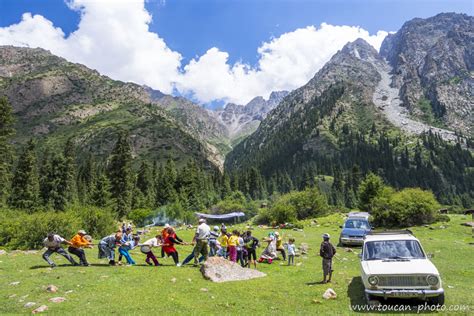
53,242
201,238
146,248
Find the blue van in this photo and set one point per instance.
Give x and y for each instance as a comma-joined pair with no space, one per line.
355,227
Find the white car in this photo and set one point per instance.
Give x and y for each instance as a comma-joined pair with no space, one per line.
393,264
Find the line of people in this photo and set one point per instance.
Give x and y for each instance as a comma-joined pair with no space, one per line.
78,242
236,246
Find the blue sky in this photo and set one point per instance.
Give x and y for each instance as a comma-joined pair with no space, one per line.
235,28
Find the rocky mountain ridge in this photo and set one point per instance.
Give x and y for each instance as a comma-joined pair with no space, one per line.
54,100
243,120
433,66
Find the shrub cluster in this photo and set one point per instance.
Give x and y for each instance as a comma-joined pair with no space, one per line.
20,230
390,208
294,206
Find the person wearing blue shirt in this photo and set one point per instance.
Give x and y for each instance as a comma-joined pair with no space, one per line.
126,237
127,246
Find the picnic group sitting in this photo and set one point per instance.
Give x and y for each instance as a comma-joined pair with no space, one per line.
240,247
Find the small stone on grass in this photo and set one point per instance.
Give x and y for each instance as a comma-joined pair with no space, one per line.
40,309
52,288
57,299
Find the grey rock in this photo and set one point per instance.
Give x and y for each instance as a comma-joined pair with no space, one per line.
220,270
40,309
57,299
52,288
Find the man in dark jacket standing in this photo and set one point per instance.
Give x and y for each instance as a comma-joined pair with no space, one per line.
327,251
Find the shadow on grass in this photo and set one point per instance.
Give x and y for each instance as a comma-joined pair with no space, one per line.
356,294
48,266
316,283
98,265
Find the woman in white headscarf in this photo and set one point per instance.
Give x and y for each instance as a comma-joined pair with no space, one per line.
269,253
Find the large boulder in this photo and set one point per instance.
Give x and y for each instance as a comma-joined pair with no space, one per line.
218,269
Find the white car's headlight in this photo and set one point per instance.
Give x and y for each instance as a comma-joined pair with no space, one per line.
373,280
432,279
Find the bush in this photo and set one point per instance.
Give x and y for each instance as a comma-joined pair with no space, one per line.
369,189
294,206
236,202
307,203
442,218
140,217
20,230
283,213
27,231
408,207
97,222
263,217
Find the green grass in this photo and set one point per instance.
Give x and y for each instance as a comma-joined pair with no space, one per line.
100,289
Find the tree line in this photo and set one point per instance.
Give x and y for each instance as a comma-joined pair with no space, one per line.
47,179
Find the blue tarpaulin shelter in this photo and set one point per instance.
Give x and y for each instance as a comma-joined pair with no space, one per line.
234,215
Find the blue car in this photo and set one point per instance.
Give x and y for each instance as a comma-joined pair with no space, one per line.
355,227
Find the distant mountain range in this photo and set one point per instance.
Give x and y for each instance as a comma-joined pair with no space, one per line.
421,80
379,112
54,99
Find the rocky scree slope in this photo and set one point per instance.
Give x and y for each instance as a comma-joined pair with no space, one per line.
433,66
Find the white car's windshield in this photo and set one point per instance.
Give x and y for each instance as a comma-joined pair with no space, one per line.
357,223
393,249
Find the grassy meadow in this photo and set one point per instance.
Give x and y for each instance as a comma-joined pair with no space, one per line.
141,289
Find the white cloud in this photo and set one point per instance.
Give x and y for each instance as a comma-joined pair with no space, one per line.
285,63
113,37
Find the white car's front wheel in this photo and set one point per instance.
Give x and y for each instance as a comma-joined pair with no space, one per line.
437,300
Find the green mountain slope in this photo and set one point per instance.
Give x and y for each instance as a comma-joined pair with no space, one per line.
331,126
54,99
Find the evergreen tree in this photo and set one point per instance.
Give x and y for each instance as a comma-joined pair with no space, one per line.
255,184
226,188
85,179
145,184
6,152
337,188
369,189
43,176
54,183
166,191
121,175
234,182
25,184
286,184
100,195
70,189
272,186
